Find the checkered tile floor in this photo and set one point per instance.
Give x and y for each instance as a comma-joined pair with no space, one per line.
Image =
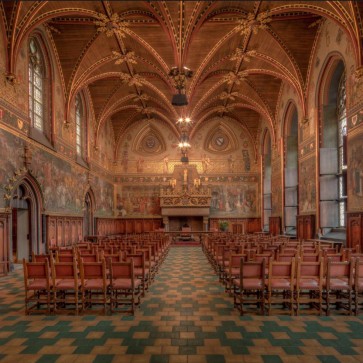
185,317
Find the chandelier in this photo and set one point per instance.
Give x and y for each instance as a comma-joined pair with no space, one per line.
179,77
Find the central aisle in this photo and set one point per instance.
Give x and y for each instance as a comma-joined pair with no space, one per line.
187,288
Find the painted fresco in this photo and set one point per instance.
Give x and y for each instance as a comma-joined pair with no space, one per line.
307,189
63,184
104,196
138,201
234,200
355,172
60,183
11,149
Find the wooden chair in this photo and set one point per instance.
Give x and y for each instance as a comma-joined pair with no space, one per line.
280,284
249,287
358,284
125,289
339,285
66,285
38,286
94,284
233,270
140,271
41,257
309,284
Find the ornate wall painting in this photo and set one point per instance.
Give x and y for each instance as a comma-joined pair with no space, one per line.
355,172
307,189
234,200
104,192
138,201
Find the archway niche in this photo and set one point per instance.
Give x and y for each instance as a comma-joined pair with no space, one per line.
26,224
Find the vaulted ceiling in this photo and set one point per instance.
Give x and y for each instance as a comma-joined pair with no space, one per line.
121,53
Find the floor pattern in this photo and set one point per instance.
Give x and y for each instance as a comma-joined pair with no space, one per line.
186,317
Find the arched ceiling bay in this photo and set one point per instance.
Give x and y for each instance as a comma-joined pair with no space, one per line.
121,52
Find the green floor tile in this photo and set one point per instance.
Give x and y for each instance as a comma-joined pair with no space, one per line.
215,358
48,358
328,359
103,358
159,358
271,359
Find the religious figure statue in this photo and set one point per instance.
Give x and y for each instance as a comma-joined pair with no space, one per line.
185,176
205,163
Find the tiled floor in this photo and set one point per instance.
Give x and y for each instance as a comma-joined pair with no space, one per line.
186,317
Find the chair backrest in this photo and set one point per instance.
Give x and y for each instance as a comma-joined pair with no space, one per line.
89,257
252,269
40,258
339,269
278,269
36,270
122,270
64,258
310,270
64,270
358,272
92,270
235,260
137,258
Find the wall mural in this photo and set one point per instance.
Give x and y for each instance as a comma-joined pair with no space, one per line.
63,184
138,201
235,200
355,172
104,192
307,189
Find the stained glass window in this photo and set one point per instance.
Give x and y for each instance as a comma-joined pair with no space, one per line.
36,85
342,136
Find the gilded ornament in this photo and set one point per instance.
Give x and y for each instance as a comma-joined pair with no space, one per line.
113,25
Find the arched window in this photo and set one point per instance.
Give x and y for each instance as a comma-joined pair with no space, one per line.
333,165
36,85
291,168
79,122
267,196
342,150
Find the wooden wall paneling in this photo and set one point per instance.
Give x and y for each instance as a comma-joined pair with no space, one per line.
275,225
4,243
60,237
138,226
67,232
156,224
305,226
355,230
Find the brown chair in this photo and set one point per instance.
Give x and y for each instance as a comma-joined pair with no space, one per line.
38,286
125,289
94,284
249,288
40,257
139,269
280,284
233,270
339,285
358,284
309,284
66,286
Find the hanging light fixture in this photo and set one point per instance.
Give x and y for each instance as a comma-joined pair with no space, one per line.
184,146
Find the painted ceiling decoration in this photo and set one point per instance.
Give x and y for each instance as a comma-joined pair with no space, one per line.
121,54
221,139
149,141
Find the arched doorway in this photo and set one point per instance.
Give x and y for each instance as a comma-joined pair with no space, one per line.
26,236
89,205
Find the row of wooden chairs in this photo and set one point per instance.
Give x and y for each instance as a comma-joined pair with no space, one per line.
299,283
80,280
